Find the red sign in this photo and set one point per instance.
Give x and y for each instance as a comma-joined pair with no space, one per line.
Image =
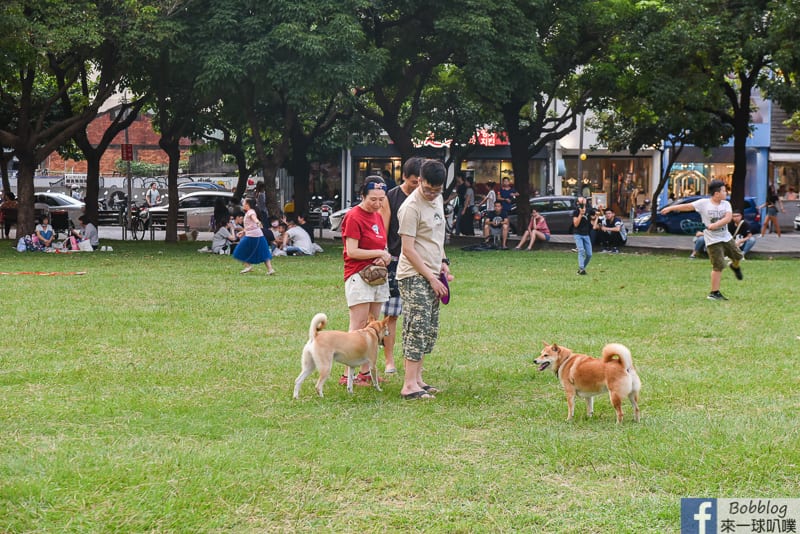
127,152
483,138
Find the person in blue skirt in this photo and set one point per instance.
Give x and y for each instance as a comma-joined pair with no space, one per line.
253,247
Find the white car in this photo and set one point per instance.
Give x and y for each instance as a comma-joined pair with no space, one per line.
797,222
199,207
61,202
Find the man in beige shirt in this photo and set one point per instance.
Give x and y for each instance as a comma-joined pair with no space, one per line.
422,260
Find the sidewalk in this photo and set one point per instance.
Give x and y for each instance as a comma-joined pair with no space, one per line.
771,245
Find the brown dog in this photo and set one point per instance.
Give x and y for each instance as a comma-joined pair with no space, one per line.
588,377
350,348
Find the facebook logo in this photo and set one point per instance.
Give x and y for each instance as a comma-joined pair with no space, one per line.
698,516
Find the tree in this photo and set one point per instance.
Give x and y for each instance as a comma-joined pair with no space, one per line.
409,44
285,68
740,46
531,55
125,116
453,114
49,50
656,102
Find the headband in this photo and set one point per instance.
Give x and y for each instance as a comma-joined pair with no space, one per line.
374,185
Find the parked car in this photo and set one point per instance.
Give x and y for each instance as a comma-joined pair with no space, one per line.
797,222
688,222
59,202
188,187
556,210
199,207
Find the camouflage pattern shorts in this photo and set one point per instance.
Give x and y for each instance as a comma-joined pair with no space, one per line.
420,317
718,251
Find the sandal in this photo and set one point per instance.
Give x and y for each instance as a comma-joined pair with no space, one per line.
430,389
418,395
365,379
246,270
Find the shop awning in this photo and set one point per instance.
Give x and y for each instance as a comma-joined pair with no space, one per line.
693,154
785,157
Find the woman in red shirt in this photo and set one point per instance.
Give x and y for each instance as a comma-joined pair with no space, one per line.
364,238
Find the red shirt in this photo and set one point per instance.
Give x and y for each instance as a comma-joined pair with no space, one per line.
367,228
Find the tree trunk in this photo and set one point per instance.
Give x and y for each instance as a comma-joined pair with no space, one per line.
171,145
300,169
401,139
92,184
26,217
243,169
519,140
269,164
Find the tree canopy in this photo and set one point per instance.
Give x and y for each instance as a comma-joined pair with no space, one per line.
274,82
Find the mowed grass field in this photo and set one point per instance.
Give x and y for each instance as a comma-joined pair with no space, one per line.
153,394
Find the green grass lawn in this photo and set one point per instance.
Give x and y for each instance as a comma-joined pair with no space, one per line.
154,393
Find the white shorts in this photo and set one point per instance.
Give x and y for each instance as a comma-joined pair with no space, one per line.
357,291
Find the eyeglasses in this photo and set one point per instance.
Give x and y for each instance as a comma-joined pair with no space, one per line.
431,191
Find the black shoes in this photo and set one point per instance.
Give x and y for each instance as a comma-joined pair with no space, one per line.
737,271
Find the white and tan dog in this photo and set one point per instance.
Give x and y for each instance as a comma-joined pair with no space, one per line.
350,348
588,377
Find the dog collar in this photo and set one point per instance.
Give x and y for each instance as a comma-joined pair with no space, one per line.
558,369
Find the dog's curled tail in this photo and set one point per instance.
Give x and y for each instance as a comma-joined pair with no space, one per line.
317,323
619,350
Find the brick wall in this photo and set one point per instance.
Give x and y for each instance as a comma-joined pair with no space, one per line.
140,134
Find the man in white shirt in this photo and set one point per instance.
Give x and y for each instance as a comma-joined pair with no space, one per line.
716,213
296,240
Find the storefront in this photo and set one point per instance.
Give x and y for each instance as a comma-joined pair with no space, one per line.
784,170
493,163
372,159
694,168
624,181
489,161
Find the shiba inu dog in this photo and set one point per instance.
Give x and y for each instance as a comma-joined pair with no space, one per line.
588,377
350,348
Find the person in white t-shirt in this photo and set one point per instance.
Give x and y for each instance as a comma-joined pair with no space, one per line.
296,241
716,213
152,196
224,239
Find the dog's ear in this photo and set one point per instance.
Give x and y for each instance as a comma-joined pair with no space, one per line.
555,347
370,318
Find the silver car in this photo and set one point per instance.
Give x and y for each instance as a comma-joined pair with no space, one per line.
199,207
60,202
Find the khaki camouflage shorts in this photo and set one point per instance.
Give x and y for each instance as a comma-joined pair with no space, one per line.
420,317
718,251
